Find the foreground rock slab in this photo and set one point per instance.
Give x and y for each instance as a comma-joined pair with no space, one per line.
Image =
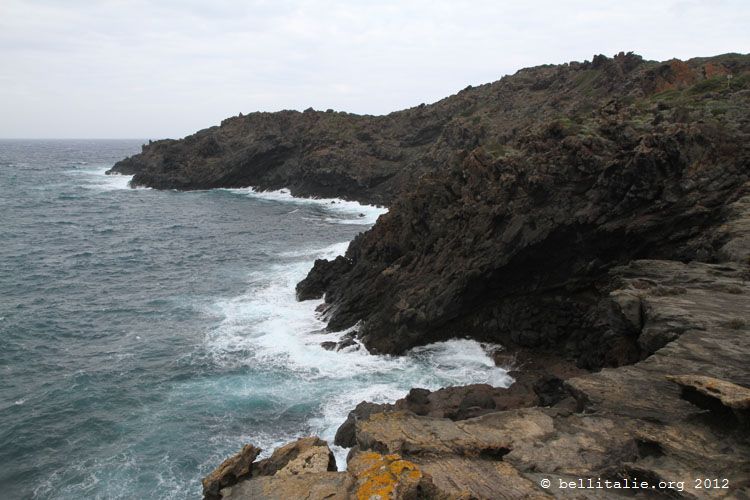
305,456
321,485
370,476
728,394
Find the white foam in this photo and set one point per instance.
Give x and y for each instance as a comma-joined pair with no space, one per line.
347,212
267,327
329,252
97,179
113,181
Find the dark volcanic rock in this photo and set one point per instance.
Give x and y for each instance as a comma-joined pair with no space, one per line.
514,246
320,277
328,345
509,201
374,158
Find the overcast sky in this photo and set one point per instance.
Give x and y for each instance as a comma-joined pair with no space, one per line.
166,68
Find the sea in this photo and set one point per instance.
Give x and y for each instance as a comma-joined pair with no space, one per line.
146,335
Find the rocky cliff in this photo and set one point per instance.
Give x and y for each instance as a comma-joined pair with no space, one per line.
594,218
512,243
375,158
509,201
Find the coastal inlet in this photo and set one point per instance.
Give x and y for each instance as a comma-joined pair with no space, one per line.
145,333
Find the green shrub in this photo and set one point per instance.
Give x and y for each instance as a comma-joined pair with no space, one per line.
709,85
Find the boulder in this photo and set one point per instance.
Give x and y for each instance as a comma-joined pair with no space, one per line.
306,455
328,345
231,471
345,435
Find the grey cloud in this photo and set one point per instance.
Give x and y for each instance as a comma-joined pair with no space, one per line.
150,69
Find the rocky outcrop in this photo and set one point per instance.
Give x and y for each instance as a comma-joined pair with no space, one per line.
677,414
231,471
509,202
538,381
320,277
319,486
306,456
637,424
298,470
515,246
374,158
711,392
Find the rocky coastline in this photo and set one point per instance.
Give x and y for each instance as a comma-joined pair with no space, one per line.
593,218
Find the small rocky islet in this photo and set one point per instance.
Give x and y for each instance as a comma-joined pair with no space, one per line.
591,217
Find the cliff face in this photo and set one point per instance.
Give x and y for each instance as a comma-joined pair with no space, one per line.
513,242
509,201
375,158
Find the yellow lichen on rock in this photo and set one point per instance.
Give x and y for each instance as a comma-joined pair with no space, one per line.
384,477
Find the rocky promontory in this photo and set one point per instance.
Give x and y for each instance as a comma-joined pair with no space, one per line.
593,218
514,245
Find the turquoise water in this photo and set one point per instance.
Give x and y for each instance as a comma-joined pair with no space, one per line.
145,335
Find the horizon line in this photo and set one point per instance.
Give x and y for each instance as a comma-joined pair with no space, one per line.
78,139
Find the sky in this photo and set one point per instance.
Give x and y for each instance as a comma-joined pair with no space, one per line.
153,69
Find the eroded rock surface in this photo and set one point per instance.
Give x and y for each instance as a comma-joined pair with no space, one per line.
231,471
303,457
513,243
318,486
370,476
730,395
538,380
625,422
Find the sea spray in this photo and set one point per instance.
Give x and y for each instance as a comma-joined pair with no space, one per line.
147,334
267,327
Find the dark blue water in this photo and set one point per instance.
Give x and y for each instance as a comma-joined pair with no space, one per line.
145,335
